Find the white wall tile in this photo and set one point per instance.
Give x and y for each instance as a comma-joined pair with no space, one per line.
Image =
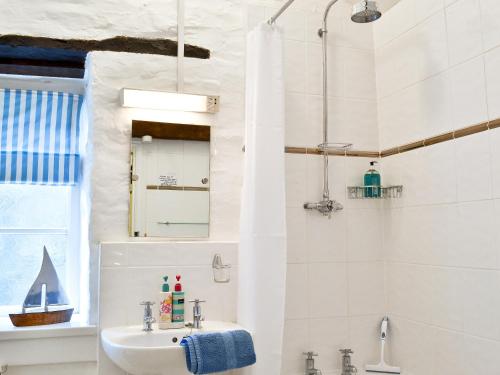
296,291
293,23
295,120
482,303
464,30
431,44
353,121
333,276
437,181
366,288
495,165
482,355
295,65
443,223
473,167
448,298
492,60
296,235
113,255
359,74
398,64
476,235
490,13
435,105
326,238
426,8
409,291
448,353
295,180
411,345
400,117
468,91
395,22
368,245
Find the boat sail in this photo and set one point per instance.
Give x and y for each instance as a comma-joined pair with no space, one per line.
46,291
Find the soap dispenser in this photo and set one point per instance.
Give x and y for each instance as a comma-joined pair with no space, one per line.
165,316
178,305
372,182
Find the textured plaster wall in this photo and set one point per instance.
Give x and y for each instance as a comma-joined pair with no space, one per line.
89,19
108,72
221,75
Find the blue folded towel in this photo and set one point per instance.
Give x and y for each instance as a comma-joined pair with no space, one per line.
207,353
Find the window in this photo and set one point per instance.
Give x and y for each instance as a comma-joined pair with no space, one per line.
34,216
40,167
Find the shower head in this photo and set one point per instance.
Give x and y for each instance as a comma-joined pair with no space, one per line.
365,12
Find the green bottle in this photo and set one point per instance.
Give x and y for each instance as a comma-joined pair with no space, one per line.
372,182
178,305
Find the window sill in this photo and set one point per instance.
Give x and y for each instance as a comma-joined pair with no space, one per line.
70,329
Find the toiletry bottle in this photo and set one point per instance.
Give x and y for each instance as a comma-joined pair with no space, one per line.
372,182
178,305
165,317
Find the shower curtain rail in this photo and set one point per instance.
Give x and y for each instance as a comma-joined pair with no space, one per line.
280,12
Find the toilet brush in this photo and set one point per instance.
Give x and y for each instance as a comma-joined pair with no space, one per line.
383,367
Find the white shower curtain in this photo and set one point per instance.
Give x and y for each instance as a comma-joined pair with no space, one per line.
262,270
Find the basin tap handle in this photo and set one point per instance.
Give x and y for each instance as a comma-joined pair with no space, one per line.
310,355
197,306
197,309
147,307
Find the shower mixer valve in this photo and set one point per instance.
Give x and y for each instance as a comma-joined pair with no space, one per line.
326,207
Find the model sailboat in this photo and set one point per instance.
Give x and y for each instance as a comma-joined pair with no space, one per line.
46,291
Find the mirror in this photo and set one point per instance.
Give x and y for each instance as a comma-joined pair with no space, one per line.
169,180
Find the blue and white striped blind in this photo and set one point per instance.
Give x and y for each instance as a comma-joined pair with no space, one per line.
39,137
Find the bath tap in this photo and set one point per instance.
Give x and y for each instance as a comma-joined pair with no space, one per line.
310,369
347,367
148,319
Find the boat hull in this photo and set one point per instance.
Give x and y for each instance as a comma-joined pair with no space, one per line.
41,318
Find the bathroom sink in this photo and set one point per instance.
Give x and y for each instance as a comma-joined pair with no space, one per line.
153,353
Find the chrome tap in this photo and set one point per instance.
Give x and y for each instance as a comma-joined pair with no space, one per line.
148,319
310,369
197,317
347,367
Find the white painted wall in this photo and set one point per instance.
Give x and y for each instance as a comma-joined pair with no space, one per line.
437,70
109,72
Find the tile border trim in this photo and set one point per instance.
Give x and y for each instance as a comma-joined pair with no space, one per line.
445,137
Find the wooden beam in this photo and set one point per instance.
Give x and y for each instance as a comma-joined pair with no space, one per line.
41,71
163,130
157,46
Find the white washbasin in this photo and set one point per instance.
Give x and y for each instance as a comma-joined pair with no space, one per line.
153,353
